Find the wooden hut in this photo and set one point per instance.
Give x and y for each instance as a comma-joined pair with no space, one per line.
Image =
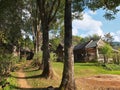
87,51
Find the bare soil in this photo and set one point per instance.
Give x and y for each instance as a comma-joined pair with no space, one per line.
21,80
21,76
99,82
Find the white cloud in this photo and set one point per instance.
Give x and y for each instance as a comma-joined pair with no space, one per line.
116,36
88,25
75,31
92,12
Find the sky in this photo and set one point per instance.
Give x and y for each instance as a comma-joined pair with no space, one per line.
95,23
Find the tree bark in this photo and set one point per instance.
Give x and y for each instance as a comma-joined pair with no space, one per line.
47,10
68,82
47,70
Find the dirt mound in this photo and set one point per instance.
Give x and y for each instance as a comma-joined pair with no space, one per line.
99,82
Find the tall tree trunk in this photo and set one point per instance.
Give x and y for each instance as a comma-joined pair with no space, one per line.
36,28
47,70
48,10
39,35
68,82
35,37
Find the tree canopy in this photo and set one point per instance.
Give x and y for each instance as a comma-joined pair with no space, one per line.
110,7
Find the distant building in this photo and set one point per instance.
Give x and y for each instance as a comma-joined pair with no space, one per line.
89,51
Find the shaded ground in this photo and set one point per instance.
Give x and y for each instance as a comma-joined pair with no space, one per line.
100,82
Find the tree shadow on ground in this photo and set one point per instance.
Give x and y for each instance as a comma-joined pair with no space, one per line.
19,88
31,70
28,77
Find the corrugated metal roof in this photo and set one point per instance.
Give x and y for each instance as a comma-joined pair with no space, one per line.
81,45
92,44
89,44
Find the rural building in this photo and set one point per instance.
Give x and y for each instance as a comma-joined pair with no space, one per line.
89,51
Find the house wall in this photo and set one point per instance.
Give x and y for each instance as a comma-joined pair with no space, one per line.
84,55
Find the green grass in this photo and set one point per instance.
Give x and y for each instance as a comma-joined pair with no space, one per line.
81,70
88,69
35,81
13,83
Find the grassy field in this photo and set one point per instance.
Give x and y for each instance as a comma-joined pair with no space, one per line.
81,70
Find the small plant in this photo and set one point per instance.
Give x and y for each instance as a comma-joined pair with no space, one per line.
53,56
7,64
37,59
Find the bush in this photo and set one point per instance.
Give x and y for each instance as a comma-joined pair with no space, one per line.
53,56
37,59
7,63
112,67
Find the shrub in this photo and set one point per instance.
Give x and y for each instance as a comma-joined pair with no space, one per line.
37,59
112,67
53,56
7,63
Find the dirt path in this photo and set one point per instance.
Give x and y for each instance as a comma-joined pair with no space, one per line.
21,80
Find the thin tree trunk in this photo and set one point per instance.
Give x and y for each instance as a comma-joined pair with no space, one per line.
39,39
47,15
68,82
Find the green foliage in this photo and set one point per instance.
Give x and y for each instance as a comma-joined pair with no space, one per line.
37,59
53,56
9,84
7,63
28,43
110,7
108,38
77,7
23,59
76,40
3,81
91,37
55,42
106,49
112,67
12,20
